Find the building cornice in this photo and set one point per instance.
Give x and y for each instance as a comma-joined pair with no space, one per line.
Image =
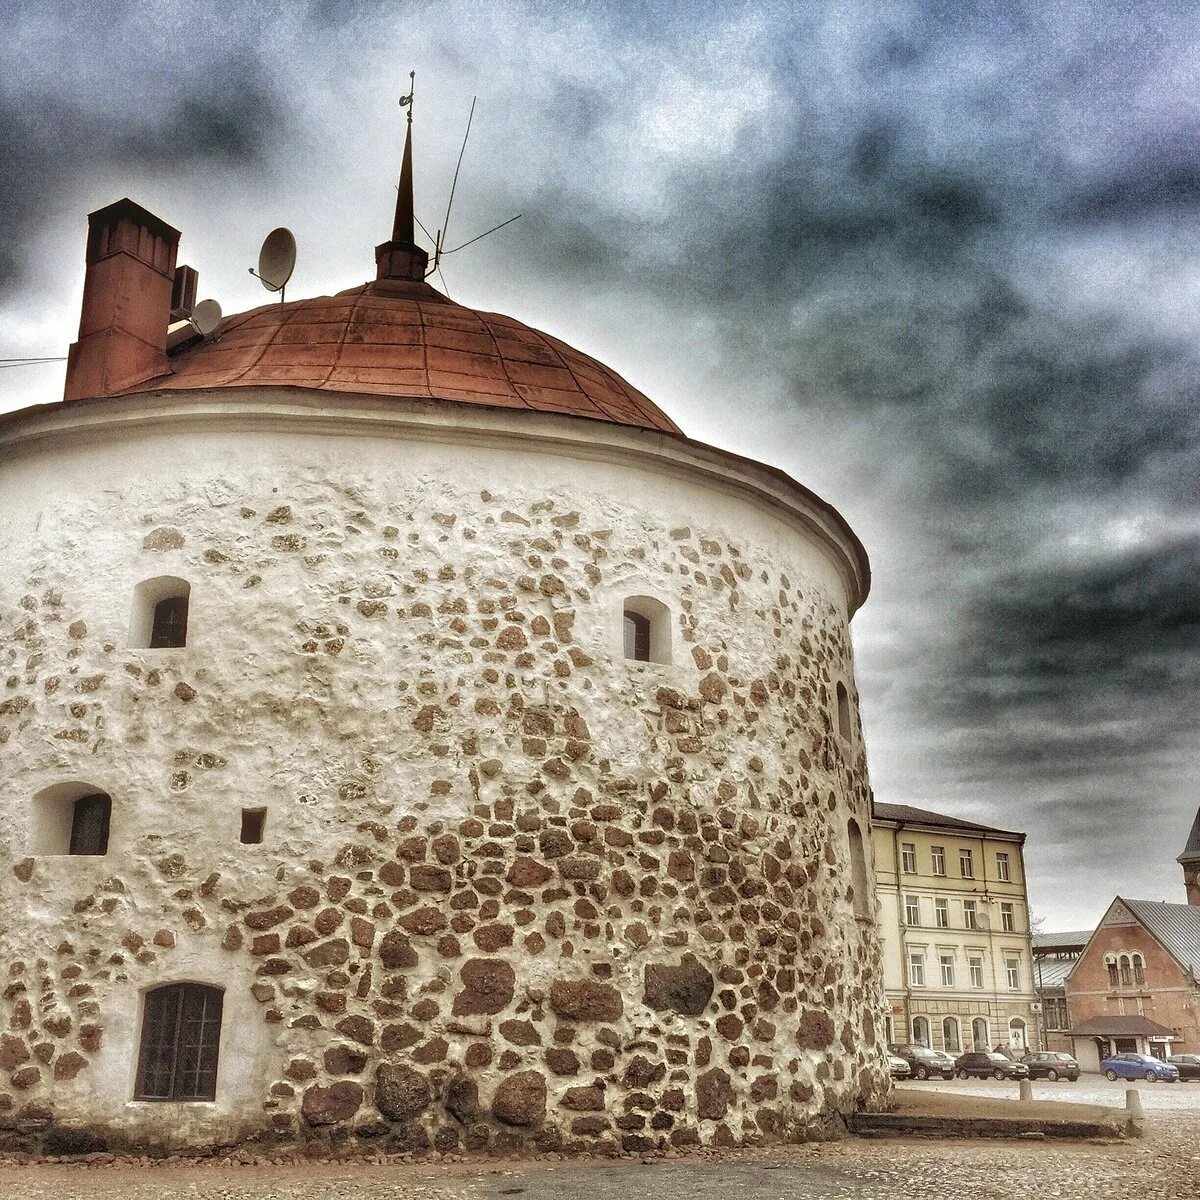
298,410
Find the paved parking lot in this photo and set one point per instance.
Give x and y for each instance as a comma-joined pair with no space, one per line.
1089,1089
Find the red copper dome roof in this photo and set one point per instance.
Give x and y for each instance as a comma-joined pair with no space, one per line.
402,338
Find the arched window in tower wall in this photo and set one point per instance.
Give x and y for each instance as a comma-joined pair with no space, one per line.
71,818
843,711
646,629
160,614
863,906
180,1043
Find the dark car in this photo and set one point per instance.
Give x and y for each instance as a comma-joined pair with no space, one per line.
1188,1065
924,1062
1052,1065
982,1063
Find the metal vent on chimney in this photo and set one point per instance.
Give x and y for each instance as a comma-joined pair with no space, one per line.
183,292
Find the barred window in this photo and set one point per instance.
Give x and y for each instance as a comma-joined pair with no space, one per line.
181,1035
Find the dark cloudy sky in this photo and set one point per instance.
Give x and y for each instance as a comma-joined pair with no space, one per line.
937,260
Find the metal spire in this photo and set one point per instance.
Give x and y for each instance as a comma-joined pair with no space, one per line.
402,258
403,230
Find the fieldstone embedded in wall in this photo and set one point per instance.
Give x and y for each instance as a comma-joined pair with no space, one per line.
514,890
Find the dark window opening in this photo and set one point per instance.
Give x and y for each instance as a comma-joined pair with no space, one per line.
254,822
843,711
89,824
637,636
181,1035
169,630
1112,974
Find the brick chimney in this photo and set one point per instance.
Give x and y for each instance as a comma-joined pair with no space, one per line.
1190,861
126,302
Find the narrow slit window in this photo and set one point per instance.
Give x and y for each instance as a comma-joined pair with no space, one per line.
646,630
161,608
254,824
637,636
90,818
170,623
843,711
181,1036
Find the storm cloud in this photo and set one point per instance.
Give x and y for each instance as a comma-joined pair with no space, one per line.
937,260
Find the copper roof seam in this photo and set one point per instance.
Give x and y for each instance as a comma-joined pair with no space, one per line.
337,358
502,360
422,326
548,342
288,318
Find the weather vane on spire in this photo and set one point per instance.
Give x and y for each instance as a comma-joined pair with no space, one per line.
407,101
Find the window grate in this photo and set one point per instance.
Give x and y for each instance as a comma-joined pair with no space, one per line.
181,1034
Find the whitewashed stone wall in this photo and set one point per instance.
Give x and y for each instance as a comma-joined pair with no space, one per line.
514,889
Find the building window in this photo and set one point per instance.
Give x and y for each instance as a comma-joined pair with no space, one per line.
1126,970
976,967
1055,1008
160,614
1111,964
912,910
908,858
920,1031
181,1034
938,855
862,899
1002,872
916,968
71,818
970,914
1139,969
1012,968
979,1033
843,711
941,914
947,962
647,630
254,822
950,1035
1008,920
966,865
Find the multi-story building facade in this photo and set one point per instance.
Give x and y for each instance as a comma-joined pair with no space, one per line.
954,925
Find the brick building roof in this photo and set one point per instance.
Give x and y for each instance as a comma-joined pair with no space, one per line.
1175,926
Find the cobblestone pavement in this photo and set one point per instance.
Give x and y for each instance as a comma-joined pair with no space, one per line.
1089,1089
1163,1166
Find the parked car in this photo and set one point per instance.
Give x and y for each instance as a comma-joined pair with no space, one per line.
982,1063
1188,1065
1052,1065
899,1067
1139,1066
925,1062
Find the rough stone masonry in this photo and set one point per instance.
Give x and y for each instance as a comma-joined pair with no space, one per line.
514,890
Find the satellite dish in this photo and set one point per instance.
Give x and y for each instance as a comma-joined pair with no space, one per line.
206,316
984,922
276,259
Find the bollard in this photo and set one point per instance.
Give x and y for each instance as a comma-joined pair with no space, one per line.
1026,1089
1135,1118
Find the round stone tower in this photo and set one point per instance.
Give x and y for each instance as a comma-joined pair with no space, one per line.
410,739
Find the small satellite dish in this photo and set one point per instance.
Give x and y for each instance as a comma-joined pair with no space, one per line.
206,316
276,259
984,922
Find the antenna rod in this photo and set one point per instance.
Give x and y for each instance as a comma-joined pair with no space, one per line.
483,235
454,184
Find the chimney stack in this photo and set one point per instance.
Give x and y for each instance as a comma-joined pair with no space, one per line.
1190,861
126,302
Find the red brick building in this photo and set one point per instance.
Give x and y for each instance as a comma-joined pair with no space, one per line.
1136,986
